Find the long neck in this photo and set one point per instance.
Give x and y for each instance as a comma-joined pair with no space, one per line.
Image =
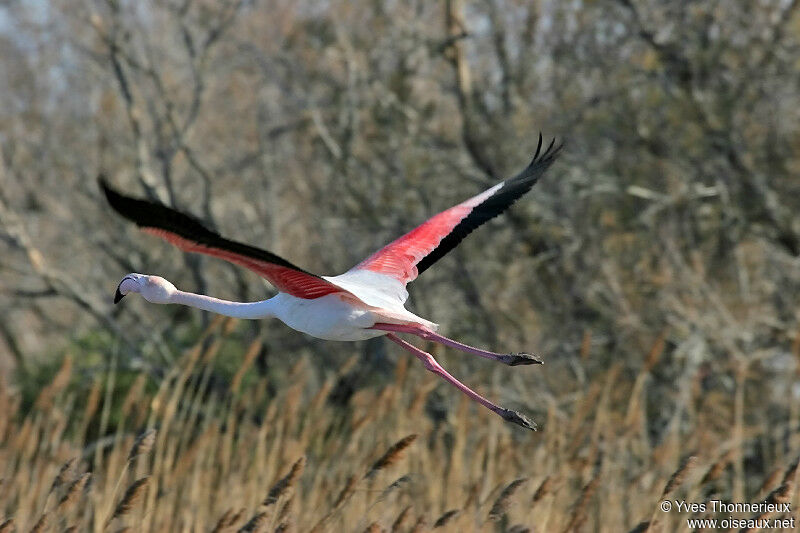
252,310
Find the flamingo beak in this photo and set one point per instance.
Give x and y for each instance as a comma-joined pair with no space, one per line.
118,296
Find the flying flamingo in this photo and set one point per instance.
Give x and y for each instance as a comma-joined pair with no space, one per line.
366,301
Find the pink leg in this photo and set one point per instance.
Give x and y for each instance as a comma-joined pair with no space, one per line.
511,359
431,364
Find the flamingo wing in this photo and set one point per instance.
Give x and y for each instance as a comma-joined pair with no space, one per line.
410,255
188,234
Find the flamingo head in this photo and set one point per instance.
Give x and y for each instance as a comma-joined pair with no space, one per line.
154,289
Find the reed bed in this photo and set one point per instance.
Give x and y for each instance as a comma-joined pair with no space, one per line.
189,456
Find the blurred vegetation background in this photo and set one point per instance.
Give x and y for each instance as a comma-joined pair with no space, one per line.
658,260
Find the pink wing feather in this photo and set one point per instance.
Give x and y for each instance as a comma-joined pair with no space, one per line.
410,255
399,258
288,280
188,234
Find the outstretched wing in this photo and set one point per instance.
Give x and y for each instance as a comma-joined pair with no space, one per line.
410,255
188,234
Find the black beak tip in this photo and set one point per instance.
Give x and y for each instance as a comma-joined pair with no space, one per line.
118,296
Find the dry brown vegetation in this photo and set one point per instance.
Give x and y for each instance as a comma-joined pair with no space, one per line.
655,268
237,460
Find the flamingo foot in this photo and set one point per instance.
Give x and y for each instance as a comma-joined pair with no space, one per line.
517,418
521,358
433,366
510,359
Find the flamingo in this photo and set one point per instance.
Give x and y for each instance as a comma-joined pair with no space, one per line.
366,301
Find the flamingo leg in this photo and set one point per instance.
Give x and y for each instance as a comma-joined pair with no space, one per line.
511,359
432,365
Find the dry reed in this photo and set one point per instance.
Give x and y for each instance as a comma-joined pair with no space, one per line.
143,444
391,456
579,513
65,473
398,483
257,523
225,521
503,502
781,495
215,452
716,469
131,497
446,517
41,524
402,519
74,491
346,492
545,487
285,483
286,510
679,476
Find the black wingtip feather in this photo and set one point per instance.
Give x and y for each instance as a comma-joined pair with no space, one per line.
538,147
540,158
147,214
505,196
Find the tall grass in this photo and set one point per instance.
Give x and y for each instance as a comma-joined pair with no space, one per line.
184,457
